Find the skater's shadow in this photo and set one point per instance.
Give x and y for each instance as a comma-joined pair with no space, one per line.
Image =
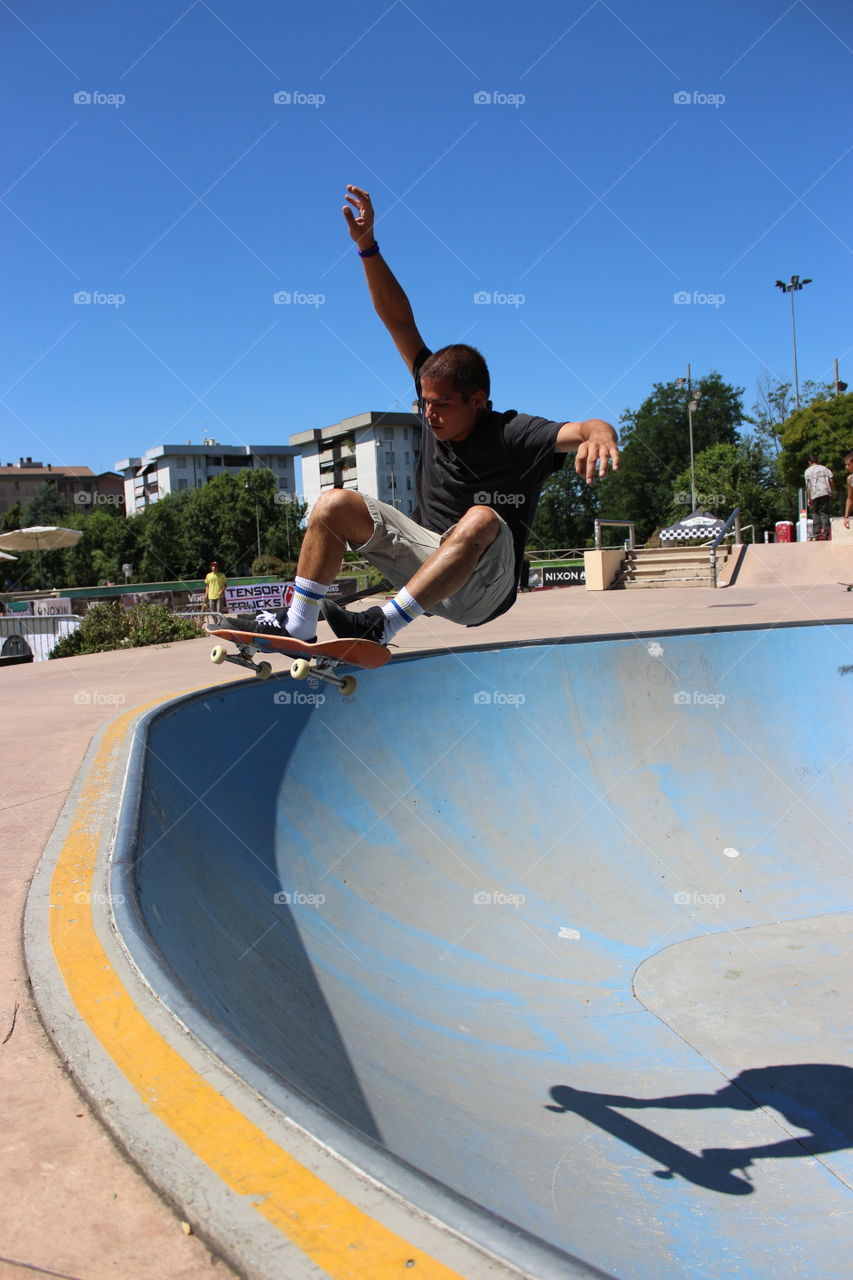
816,1097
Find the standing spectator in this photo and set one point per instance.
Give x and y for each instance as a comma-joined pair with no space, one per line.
848,506
820,488
214,589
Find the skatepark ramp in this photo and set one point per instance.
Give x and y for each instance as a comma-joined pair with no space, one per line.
552,939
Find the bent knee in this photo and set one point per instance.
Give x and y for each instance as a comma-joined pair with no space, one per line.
345,512
481,523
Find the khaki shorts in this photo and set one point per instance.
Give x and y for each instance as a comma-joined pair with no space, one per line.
399,547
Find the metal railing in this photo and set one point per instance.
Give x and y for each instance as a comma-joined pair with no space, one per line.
620,524
40,633
733,521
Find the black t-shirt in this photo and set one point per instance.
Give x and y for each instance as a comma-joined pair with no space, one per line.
502,464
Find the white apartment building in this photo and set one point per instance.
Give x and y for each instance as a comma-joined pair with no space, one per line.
373,452
169,468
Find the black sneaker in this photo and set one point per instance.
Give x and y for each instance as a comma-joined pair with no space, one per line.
364,624
265,623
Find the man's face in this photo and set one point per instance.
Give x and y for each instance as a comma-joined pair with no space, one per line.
449,416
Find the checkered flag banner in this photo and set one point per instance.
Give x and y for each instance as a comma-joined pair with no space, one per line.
697,525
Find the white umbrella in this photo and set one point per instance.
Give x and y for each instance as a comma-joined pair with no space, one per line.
40,537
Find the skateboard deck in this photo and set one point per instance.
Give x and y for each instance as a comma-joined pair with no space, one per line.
318,659
848,585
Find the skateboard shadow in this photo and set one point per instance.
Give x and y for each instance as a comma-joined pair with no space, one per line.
817,1097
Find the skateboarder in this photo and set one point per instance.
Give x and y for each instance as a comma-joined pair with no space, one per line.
820,488
478,481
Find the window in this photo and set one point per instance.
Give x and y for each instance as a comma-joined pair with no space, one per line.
181,463
182,484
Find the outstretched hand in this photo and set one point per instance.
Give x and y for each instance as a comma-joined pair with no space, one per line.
601,448
358,212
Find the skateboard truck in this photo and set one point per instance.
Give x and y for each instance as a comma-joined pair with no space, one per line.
300,668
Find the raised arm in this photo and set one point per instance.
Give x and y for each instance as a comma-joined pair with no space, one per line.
391,304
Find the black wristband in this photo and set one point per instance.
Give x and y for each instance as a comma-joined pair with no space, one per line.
368,253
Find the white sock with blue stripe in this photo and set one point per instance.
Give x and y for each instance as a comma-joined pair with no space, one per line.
304,609
399,611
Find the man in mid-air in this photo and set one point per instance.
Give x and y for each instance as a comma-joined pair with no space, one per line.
478,481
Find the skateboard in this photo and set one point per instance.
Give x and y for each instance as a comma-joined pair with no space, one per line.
848,585
315,659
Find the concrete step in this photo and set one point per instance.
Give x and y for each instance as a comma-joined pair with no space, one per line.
644,584
668,567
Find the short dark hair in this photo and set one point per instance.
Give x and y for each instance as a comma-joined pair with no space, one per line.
848,454
462,366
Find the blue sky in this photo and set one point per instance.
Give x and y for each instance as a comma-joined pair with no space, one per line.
580,164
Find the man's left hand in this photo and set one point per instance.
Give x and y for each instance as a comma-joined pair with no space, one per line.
593,455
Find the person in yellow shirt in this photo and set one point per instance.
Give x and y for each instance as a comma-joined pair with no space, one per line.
214,589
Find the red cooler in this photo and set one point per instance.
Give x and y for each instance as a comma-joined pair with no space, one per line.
784,531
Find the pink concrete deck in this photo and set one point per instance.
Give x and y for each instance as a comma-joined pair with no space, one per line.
72,1205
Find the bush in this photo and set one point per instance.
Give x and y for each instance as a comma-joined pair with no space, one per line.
108,626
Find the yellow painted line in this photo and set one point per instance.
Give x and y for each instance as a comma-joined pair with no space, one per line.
338,1236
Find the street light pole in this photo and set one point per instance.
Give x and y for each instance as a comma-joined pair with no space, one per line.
691,406
257,520
792,287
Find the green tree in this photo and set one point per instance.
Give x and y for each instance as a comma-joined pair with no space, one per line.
161,554
655,444
825,428
107,544
46,507
745,475
567,508
775,404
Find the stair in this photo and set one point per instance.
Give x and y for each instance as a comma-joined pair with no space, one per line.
668,567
